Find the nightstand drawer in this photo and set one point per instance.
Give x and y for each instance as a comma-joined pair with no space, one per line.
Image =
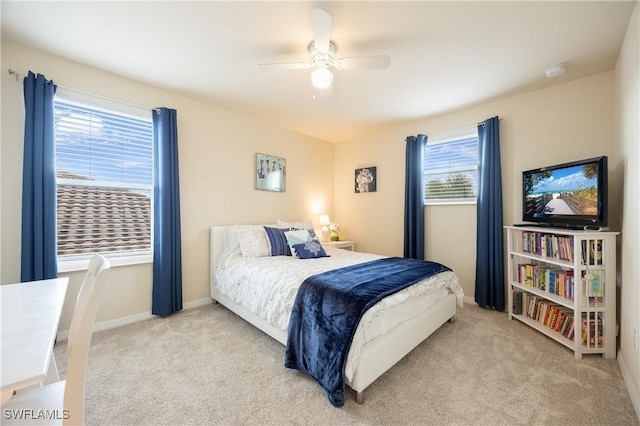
345,245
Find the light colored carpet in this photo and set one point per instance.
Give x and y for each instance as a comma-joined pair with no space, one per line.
207,366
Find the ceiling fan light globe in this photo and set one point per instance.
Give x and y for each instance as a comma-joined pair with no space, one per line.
321,78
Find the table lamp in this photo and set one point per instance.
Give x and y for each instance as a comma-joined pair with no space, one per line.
324,221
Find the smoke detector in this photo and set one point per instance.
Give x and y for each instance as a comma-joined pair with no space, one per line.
555,71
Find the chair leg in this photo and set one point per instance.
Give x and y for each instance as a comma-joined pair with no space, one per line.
360,397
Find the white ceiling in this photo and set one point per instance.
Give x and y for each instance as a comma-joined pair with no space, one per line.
444,55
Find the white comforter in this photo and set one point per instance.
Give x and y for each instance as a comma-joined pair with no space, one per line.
267,286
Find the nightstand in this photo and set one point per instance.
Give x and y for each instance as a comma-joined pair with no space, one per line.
345,245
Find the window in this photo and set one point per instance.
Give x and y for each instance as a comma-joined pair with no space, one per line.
104,171
451,168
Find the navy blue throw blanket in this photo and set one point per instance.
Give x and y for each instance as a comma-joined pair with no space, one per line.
328,308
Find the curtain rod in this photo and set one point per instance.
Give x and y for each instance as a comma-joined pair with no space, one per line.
18,75
482,122
14,73
469,127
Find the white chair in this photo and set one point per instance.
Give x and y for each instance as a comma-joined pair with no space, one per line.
63,402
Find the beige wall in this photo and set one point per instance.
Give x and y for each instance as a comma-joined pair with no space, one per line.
627,136
217,154
566,122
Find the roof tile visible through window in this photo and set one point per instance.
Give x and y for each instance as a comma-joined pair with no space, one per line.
81,225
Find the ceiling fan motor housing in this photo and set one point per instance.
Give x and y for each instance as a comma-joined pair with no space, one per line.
322,59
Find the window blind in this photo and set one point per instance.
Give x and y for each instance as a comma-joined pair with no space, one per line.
104,169
451,170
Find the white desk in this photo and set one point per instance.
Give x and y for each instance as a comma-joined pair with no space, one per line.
30,316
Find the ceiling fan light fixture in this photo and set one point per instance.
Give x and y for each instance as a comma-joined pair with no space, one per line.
321,78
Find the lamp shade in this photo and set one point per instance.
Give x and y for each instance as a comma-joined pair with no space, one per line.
321,78
324,220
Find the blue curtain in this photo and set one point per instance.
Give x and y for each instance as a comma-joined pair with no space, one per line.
489,291
39,241
414,198
167,250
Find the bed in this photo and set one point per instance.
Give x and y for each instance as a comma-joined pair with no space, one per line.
261,289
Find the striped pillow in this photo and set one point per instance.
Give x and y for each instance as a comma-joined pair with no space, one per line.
277,241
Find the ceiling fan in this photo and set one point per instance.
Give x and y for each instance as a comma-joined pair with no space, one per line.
322,55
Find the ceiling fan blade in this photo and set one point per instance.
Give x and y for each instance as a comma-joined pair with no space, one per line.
379,62
287,66
321,22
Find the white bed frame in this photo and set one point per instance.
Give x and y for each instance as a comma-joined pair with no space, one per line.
376,356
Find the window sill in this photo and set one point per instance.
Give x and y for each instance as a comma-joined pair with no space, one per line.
449,202
80,264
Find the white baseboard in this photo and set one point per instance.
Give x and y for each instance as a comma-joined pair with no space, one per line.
469,299
197,303
633,392
119,322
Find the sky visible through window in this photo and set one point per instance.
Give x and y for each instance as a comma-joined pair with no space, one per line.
451,169
103,146
457,154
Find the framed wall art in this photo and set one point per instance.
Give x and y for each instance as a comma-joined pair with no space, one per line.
271,173
366,180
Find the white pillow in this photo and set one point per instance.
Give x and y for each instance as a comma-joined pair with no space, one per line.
253,240
296,225
231,241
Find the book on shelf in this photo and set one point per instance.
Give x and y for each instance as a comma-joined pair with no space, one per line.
595,301
569,331
560,319
592,252
548,245
553,280
517,303
592,332
556,317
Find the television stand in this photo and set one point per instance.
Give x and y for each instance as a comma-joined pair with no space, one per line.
562,283
565,227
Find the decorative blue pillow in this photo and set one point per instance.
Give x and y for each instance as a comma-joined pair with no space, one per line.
304,244
310,250
277,241
312,235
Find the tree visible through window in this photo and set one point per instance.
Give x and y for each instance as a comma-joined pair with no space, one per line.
451,169
104,170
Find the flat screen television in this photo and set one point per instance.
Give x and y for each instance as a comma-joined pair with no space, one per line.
569,195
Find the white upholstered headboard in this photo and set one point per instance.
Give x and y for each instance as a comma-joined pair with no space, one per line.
216,246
